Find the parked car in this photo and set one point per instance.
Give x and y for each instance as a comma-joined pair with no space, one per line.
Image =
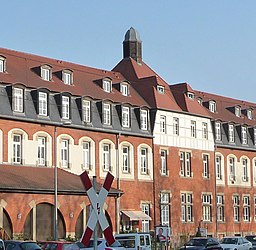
200,243
21,245
54,245
252,239
101,245
235,243
134,241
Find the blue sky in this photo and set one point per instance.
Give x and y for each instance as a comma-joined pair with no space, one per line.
209,44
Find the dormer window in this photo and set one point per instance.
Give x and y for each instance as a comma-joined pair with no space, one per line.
212,106
238,111
200,100
46,72
67,77
107,85
249,114
160,89
244,134
124,89
2,64
190,95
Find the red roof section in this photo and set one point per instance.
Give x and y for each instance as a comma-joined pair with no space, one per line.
224,105
21,68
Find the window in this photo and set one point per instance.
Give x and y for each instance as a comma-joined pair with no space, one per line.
193,129
41,151
124,89
46,73
175,126
220,208
65,153
186,207
244,135
207,207
249,114
42,104
238,111
2,64
163,162
65,107
67,77
254,169
246,208
254,207
205,130
160,89
206,166
162,124
165,208
144,119
144,161
17,149
107,86
218,167
18,99
185,164
245,169
236,207
87,155
126,159
145,223
217,131
190,95
106,157
126,117
212,106
232,169
254,135
86,111
200,100
231,133
106,114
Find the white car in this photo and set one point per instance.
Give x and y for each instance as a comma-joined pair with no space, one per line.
235,243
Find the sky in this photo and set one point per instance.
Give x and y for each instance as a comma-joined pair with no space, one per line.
210,44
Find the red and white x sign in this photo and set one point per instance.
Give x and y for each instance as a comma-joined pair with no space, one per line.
97,201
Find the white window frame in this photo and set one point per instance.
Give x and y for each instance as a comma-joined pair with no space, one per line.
124,89
218,131
165,208
106,114
175,125
207,207
245,176
106,156
65,153
163,124
144,119
185,164
67,77
186,207
212,106
244,135
231,133
238,111
236,207
126,161
18,100
144,168
160,89
205,130
249,114
193,129
17,149
246,208
2,64
86,110
41,151
42,104
254,136
125,117
145,207
254,199
232,168
107,86
218,163
65,107
46,73
206,167
163,157
220,208
87,155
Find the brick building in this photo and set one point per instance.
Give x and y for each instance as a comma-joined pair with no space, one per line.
180,157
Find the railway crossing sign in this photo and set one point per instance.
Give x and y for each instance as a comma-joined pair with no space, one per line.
97,214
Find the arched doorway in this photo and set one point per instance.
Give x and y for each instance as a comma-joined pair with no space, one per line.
44,223
7,224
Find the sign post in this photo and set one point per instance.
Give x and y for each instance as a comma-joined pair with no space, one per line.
97,214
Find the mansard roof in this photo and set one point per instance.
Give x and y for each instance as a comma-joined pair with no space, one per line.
24,68
225,106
